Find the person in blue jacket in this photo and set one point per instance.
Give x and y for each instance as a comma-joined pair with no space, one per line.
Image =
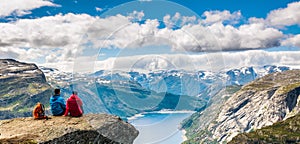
57,104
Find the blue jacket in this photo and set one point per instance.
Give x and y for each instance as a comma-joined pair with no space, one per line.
57,105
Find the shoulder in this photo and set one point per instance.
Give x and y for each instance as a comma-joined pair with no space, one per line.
61,98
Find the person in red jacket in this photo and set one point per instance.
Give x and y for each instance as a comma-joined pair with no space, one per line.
74,106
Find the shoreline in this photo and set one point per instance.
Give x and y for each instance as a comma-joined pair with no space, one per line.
164,111
179,134
184,138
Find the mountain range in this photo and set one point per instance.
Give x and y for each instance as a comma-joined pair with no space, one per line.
102,88
227,102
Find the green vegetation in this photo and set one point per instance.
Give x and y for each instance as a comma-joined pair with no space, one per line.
259,85
289,87
287,131
19,94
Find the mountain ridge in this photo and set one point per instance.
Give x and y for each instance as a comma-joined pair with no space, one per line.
22,85
266,100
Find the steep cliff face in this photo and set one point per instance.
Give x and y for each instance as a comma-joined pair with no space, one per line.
197,125
260,103
287,131
91,128
21,86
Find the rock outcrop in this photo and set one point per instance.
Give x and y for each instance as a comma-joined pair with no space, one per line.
267,100
22,85
91,128
287,131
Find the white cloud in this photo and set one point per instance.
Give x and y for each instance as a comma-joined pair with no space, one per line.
207,61
98,9
136,16
21,7
178,21
218,37
62,38
212,17
285,16
62,32
292,41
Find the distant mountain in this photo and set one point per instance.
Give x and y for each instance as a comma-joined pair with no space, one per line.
110,91
266,100
22,85
126,99
178,82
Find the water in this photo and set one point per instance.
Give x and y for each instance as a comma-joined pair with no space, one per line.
159,127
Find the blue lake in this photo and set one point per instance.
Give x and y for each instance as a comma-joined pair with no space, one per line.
159,127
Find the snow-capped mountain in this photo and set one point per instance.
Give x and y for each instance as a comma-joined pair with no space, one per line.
116,92
178,82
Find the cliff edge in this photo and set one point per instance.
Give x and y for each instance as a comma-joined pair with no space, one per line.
91,128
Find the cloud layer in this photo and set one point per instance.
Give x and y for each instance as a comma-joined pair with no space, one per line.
205,61
64,37
285,16
21,7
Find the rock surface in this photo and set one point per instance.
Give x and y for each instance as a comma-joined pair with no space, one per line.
287,131
22,85
91,128
272,98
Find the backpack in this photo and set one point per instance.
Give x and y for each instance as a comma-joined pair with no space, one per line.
39,111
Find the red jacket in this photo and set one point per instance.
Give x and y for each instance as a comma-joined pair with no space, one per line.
74,106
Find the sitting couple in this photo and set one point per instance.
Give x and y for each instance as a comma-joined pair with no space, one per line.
59,107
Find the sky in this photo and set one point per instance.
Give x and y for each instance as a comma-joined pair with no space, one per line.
149,35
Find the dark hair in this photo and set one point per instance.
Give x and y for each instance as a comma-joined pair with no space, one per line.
74,92
57,91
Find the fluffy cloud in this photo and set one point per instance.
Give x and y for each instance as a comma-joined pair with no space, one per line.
218,37
285,16
206,61
292,41
21,7
57,35
98,9
178,21
221,16
62,38
209,61
136,15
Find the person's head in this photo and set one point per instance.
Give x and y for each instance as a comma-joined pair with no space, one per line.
56,91
74,93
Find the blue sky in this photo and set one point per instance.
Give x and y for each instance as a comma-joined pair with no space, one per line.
59,32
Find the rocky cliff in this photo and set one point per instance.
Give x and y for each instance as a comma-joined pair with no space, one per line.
22,85
267,100
91,128
287,131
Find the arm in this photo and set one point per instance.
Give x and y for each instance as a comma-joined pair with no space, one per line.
35,114
79,103
62,102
